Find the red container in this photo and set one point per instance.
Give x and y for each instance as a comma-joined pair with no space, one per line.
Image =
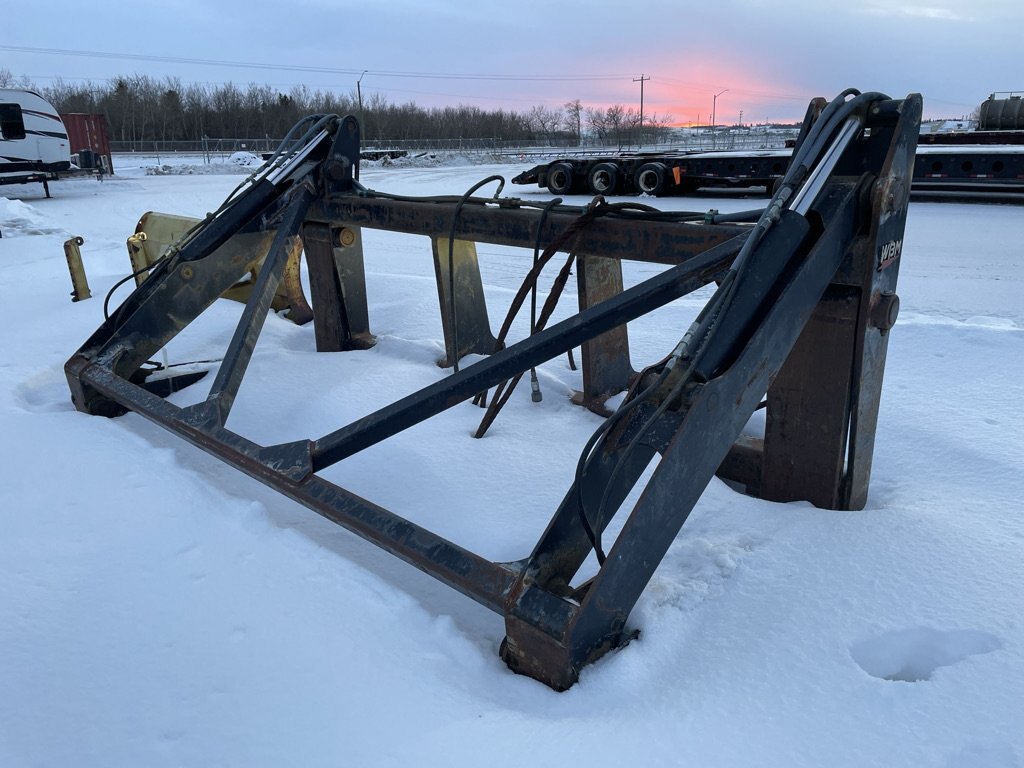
89,132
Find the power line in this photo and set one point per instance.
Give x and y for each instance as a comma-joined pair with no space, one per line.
303,68
740,91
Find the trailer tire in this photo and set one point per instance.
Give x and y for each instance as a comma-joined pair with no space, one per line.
560,179
651,179
603,179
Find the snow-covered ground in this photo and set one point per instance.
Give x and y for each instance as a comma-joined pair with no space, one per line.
160,609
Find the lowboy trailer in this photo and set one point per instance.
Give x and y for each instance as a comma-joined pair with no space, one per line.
976,163
981,168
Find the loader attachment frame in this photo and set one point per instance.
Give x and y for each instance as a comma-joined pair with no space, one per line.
805,300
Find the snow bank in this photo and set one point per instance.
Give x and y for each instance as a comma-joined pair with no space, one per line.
18,218
238,163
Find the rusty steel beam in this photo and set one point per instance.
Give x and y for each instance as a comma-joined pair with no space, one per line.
611,239
515,223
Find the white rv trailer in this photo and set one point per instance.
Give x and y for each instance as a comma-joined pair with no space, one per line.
34,144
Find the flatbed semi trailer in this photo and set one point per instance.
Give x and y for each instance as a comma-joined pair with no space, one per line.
940,168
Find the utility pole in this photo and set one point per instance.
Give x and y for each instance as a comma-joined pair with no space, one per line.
641,80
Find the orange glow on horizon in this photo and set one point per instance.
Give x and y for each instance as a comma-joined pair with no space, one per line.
686,89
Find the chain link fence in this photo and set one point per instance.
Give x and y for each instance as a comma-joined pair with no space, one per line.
686,139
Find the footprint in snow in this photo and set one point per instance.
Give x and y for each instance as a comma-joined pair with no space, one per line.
913,655
980,755
44,392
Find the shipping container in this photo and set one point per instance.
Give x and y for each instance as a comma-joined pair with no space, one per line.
89,140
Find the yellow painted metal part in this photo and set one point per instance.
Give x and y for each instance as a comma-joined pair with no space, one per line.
79,282
156,232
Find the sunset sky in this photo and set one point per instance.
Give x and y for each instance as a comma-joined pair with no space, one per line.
765,58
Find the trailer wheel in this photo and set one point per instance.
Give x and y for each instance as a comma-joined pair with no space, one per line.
603,179
560,178
651,178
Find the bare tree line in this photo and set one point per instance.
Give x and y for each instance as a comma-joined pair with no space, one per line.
140,108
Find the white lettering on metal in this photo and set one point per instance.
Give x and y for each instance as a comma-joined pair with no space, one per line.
889,253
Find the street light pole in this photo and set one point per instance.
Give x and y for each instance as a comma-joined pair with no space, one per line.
362,122
714,105
359,94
